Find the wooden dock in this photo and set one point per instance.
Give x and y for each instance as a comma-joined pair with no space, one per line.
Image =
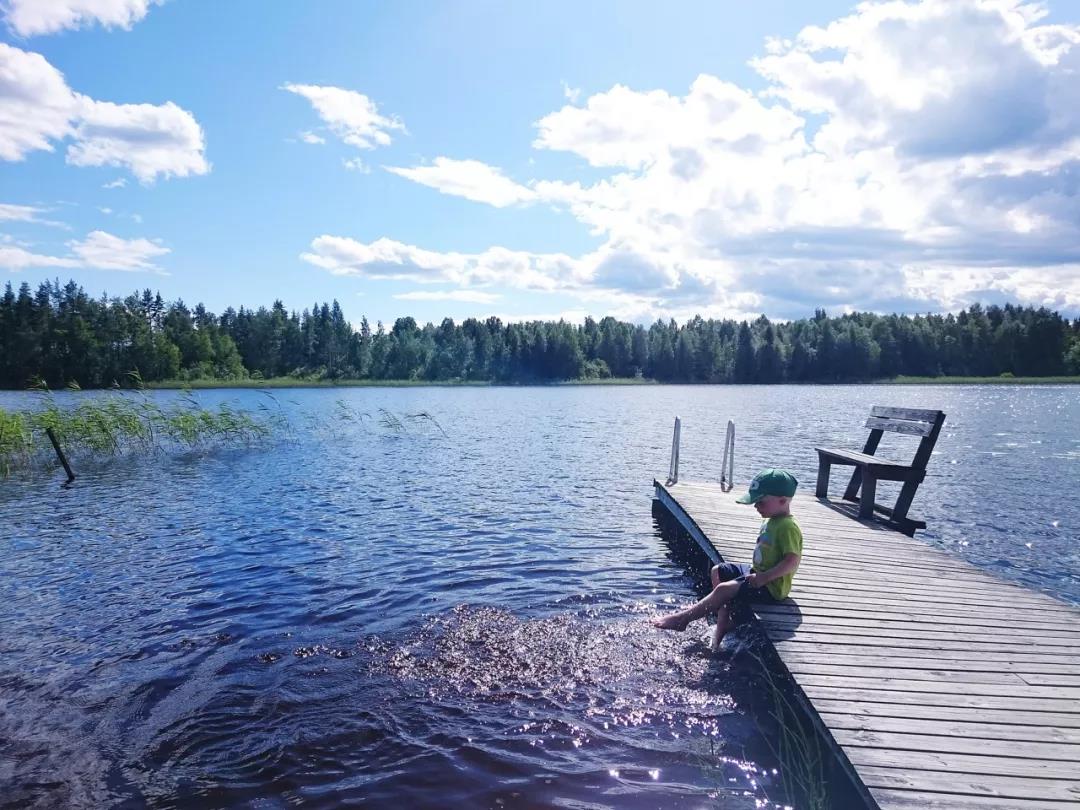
940,685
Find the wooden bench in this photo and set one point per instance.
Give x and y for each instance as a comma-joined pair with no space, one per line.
869,468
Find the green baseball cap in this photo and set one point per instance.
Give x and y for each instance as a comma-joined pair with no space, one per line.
769,482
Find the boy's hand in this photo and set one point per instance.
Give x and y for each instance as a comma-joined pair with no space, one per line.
752,580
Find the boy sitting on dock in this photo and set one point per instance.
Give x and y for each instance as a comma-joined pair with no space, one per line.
776,557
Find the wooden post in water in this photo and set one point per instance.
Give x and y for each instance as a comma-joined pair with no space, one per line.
60,454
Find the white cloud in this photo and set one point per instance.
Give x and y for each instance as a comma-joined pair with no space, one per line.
351,116
105,209
37,109
356,165
36,105
465,296
30,17
388,259
470,179
571,94
577,316
312,138
151,140
909,156
27,213
17,258
107,252
119,182
99,250
19,213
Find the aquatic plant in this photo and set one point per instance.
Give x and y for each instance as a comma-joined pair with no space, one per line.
794,744
121,422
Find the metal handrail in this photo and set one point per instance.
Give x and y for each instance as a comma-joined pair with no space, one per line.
673,468
727,461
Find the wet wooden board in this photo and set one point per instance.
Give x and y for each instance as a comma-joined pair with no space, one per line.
938,684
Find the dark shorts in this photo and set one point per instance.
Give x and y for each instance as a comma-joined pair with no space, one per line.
739,572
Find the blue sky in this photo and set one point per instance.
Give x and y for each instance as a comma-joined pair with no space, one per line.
554,159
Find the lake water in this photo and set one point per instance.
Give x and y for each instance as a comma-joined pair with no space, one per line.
360,615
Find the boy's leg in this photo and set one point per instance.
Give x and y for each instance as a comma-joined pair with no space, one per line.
724,623
726,571
720,596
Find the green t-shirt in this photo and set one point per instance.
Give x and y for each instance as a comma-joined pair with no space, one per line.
778,536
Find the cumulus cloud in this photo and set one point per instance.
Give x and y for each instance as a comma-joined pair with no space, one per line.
36,105
908,156
351,116
389,259
30,17
150,140
107,252
470,179
99,250
119,182
312,138
38,109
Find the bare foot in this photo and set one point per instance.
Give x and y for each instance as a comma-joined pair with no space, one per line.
674,621
718,634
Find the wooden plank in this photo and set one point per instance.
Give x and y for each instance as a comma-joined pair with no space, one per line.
996,654
911,414
1002,787
973,730
933,659
848,596
929,591
824,573
921,674
905,426
1061,709
964,763
839,703
872,639
921,614
929,800
1067,698
958,744
781,627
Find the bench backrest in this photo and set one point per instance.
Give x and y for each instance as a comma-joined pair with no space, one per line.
909,421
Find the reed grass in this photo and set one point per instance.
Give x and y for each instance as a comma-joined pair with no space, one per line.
794,744
123,422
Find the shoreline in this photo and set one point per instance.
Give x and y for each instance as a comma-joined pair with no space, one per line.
291,382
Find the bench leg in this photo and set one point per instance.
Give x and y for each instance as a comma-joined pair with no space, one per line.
869,493
823,469
903,503
852,490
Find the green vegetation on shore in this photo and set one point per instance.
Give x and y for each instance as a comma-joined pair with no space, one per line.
61,335
315,382
300,382
1003,379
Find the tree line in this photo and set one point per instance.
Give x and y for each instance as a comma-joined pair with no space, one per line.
60,335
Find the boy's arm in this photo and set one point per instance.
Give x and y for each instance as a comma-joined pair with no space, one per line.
787,565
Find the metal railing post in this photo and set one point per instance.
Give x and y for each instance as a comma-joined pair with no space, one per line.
673,468
727,461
